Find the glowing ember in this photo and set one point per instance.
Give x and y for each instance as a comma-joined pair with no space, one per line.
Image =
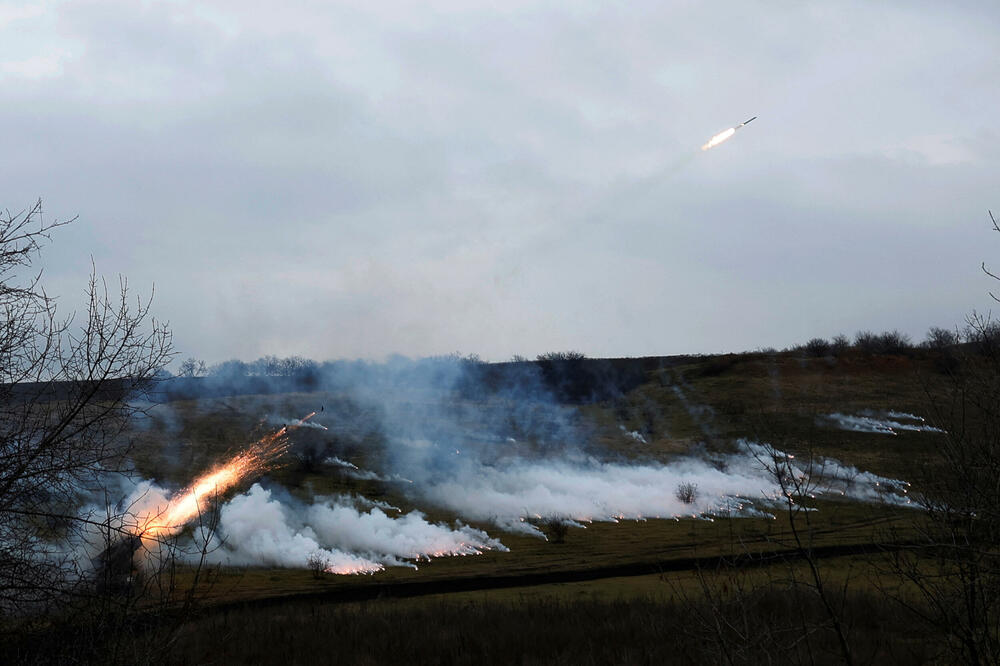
719,138
190,503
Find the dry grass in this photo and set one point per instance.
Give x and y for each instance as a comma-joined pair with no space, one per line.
712,400
655,618
652,619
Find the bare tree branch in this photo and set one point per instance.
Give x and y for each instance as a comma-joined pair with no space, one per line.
66,396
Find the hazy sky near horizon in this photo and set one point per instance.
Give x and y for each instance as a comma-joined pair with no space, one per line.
354,179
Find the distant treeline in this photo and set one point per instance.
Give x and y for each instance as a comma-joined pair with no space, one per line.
980,332
568,377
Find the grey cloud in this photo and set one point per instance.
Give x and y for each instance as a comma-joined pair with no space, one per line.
353,180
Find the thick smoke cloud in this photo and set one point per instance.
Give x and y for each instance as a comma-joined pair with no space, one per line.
747,482
492,445
509,452
256,528
262,527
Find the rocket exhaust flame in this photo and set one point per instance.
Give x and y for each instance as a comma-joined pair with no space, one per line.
190,503
253,528
719,138
726,134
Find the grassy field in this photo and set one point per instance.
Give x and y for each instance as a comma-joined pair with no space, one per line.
648,620
627,592
711,402
769,615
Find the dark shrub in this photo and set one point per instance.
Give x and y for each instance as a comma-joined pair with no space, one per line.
687,492
562,356
555,528
890,342
866,342
817,347
894,342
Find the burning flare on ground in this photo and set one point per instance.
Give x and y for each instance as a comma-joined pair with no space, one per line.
190,503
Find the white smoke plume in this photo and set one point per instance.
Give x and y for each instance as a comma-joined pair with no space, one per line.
353,471
351,534
279,421
633,434
885,423
742,483
337,462
510,452
255,528
258,530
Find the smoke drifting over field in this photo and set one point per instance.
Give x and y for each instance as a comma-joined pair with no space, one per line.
502,449
747,482
349,534
256,528
517,453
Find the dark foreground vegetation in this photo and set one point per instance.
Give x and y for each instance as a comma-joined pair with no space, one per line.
766,624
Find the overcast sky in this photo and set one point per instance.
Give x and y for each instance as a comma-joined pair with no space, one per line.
355,179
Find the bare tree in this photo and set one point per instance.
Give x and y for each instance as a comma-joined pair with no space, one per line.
798,483
318,564
955,565
996,227
817,347
192,367
555,527
952,569
941,338
686,492
949,575
67,390
840,344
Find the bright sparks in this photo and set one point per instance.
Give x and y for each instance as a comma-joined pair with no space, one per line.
719,138
192,502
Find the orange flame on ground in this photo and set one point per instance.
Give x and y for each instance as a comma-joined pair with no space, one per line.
190,503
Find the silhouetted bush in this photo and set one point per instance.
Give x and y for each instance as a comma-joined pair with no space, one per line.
941,338
231,369
317,565
687,492
556,529
866,342
840,344
562,356
982,333
817,347
889,342
894,342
